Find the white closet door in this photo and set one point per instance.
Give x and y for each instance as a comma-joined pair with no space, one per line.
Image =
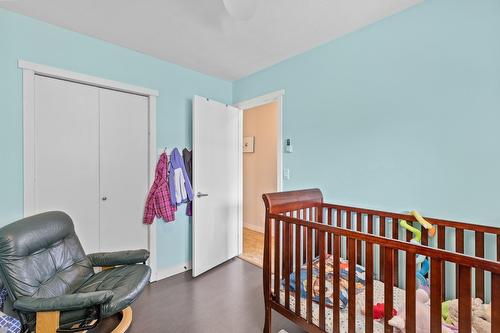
123,170
67,154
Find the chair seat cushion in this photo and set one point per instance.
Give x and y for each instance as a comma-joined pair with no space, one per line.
126,283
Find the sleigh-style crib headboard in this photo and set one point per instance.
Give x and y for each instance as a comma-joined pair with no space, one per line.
282,202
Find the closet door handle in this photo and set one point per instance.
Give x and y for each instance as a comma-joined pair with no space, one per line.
199,194
104,198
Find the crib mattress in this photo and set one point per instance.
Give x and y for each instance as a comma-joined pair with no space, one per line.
378,297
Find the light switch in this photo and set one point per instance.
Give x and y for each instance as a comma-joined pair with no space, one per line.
288,146
286,173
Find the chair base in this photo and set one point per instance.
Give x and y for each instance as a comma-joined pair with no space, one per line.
48,322
125,322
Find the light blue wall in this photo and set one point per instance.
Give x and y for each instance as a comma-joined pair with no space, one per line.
401,115
24,38
404,114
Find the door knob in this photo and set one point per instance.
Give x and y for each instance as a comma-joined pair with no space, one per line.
199,194
104,198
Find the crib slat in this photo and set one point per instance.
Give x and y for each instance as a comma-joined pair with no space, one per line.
459,240
479,252
290,246
282,236
441,237
277,250
286,261
388,290
304,239
309,274
348,216
381,255
369,280
292,214
336,284
436,294
495,303
322,301
330,236
442,245
352,286
395,235
369,283
410,292
298,264
318,217
409,235
425,237
464,299
498,247
359,226
459,248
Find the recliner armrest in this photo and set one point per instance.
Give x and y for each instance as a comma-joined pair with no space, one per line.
64,302
104,259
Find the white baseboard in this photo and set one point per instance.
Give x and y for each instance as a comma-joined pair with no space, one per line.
254,227
164,273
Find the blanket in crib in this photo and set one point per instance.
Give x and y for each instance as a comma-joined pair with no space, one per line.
344,277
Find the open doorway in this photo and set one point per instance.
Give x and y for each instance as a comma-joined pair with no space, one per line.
261,168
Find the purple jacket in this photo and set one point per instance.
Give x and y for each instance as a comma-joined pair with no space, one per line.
178,180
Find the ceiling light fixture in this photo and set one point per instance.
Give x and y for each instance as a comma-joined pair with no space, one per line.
241,9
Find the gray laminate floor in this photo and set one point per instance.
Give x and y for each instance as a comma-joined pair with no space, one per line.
225,299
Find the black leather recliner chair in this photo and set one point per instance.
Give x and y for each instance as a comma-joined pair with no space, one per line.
51,282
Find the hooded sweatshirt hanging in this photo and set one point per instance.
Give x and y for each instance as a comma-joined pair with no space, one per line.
180,186
159,202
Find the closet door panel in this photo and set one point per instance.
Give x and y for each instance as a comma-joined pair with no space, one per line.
67,154
123,170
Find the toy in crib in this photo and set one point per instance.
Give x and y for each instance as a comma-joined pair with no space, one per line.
481,315
424,223
423,313
421,260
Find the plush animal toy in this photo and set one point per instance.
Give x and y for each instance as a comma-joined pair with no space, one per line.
423,314
378,310
481,315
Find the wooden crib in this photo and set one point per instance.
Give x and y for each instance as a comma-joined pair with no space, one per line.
300,228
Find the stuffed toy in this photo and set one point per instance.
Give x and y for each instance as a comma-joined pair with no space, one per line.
423,315
481,315
378,310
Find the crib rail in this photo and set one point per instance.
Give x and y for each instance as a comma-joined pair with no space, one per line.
300,227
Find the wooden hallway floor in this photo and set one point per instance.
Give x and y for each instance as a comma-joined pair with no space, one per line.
253,247
227,299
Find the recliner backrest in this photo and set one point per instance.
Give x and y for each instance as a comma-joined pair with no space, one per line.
41,256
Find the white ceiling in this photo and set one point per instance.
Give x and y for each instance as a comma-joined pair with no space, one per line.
199,34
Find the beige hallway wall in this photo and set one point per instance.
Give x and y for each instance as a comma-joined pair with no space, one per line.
259,167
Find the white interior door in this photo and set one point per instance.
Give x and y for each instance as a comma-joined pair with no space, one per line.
124,164
216,183
66,143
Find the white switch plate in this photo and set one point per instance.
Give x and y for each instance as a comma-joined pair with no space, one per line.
286,173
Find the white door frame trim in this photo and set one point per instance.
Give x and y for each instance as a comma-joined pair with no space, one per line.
29,72
275,96
85,79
